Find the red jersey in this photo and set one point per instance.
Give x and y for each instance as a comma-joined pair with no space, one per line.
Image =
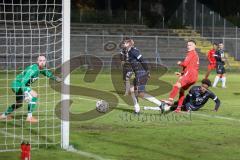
211,57
191,64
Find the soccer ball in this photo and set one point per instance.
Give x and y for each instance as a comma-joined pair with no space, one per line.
102,106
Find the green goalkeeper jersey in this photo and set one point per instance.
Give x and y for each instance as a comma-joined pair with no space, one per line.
28,76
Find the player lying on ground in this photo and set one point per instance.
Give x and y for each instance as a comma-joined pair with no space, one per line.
141,72
188,76
21,87
195,99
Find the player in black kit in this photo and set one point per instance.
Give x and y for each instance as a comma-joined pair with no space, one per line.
141,72
220,69
198,97
126,67
195,99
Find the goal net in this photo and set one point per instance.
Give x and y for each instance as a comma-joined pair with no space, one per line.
29,28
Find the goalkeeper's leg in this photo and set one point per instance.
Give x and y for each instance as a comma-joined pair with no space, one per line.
16,105
32,105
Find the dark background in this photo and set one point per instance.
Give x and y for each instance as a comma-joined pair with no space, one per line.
230,9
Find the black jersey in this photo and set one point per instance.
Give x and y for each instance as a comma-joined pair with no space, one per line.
136,60
198,99
219,55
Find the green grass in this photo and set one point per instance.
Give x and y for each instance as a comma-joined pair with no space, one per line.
121,135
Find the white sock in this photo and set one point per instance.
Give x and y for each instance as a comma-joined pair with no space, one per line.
29,115
127,87
223,82
135,102
137,108
152,99
215,81
152,108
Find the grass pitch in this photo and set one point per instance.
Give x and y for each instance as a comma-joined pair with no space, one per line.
121,135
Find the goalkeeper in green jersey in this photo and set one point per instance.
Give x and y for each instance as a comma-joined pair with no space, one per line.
21,87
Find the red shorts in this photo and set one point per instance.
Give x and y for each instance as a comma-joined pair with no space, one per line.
211,66
188,79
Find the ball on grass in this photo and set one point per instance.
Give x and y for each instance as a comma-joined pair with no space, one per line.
102,106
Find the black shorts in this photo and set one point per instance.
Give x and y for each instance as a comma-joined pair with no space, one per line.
140,80
220,69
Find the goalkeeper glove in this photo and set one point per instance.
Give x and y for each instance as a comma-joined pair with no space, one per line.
27,96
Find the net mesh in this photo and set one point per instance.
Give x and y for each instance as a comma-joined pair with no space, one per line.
29,28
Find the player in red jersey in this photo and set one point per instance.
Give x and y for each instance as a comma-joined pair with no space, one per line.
187,77
211,60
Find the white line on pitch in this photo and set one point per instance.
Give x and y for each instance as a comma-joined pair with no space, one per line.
214,116
86,154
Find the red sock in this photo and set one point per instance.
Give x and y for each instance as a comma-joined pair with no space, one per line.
181,99
174,92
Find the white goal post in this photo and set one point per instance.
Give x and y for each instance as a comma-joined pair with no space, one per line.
66,70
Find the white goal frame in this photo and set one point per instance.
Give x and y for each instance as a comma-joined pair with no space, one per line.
66,16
